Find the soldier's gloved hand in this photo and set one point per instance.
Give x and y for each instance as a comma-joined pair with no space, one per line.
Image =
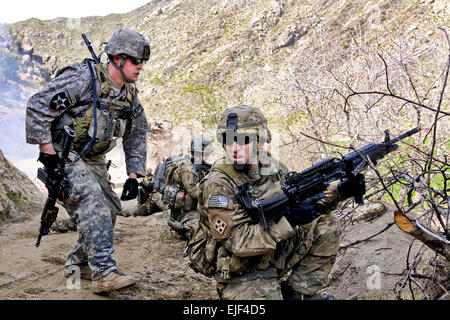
148,186
353,187
130,189
301,213
50,161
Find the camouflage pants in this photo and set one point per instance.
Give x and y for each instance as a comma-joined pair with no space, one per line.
183,222
96,206
154,204
310,254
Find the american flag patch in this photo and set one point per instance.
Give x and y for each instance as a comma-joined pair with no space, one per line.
218,202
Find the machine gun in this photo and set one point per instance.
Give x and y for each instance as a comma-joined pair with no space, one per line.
56,184
302,185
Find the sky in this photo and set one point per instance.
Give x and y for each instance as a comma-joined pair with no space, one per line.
19,10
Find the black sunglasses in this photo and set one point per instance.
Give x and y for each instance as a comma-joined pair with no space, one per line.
135,61
240,139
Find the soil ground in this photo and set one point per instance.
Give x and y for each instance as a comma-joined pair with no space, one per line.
147,249
144,245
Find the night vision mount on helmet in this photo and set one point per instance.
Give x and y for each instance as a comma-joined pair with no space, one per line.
243,124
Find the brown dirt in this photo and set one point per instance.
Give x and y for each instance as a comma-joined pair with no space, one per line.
146,248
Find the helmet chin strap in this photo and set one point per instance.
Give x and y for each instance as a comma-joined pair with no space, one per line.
120,69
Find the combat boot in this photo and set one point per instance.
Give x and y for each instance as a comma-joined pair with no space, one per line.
113,281
85,271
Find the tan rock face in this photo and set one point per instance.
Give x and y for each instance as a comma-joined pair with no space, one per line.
16,189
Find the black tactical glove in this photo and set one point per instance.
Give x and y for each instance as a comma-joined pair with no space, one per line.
50,161
130,189
354,186
148,187
301,213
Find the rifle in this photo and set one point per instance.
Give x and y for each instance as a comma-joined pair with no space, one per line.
88,44
302,185
55,184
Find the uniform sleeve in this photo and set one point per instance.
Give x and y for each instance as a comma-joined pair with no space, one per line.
184,175
54,99
230,223
135,141
329,199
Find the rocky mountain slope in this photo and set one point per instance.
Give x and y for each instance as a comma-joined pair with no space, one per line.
17,191
208,55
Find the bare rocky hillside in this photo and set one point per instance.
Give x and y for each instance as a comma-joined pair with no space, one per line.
17,191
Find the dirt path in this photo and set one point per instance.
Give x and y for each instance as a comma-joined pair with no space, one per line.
144,247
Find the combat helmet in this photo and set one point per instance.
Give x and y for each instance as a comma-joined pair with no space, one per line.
201,144
243,119
130,43
127,43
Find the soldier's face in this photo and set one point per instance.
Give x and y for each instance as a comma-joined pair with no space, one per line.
240,150
132,70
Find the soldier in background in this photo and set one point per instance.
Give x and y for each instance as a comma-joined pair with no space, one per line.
246,260
149,199
100,102
181,188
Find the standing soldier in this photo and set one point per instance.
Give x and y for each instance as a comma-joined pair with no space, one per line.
247,260
182,186
99,102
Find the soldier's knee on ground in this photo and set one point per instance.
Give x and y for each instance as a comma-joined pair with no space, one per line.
326,236
311,272
257,289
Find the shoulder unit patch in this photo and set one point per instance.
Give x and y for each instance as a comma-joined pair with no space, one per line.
61,101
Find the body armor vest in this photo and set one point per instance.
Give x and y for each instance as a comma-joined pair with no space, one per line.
112,117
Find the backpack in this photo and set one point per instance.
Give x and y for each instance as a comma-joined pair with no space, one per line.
161,170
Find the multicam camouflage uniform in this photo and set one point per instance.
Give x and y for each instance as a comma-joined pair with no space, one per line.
68,100
181,193
246,260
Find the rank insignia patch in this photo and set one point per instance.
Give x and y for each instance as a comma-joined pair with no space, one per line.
220,226
60,101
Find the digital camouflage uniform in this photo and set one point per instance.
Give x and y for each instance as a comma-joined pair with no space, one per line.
247,261
67,100
181,194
